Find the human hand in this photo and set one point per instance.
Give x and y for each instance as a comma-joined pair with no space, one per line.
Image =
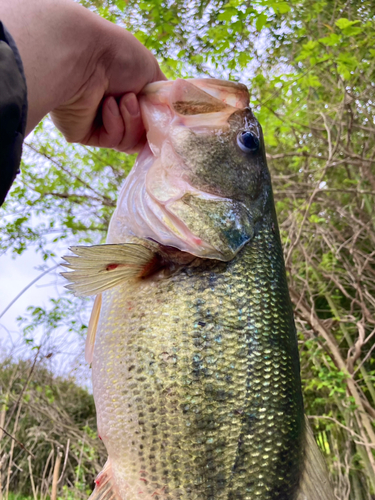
105,110
83,70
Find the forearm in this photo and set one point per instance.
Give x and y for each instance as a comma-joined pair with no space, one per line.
57,41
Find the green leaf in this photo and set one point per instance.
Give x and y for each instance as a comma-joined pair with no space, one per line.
310,81
121,5
310,45
243,59
347,63
280,7
227,14
331,40
344,23
352,31
261,21
315,219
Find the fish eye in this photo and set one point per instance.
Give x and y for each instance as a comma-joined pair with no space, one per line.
248,142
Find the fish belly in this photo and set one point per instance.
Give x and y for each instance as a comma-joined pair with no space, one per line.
196,381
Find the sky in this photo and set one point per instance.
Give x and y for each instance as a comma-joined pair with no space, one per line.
16,274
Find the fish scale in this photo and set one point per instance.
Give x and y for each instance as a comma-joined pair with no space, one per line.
201,396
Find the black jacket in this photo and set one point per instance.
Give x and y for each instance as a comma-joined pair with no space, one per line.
13,111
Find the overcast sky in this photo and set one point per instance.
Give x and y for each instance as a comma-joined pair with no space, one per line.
16,274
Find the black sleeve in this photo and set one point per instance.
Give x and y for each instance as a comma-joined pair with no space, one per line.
13,111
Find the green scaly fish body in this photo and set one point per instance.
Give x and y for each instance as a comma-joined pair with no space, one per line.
197,382
195,362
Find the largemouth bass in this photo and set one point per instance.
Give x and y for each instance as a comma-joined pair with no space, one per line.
192,340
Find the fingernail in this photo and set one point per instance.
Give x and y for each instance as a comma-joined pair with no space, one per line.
131,104
113,108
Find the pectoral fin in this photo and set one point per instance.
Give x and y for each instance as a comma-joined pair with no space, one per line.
104,487
314,483
100,267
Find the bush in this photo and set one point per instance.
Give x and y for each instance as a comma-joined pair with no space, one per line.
48,415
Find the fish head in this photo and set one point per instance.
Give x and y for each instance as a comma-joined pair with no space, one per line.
202,182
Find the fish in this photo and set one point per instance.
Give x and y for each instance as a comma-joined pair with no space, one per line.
195,364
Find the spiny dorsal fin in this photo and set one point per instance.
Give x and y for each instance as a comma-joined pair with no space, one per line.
104,487
315,483
100,267
93,326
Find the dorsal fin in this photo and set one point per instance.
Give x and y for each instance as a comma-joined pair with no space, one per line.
314,483
93,326
100,267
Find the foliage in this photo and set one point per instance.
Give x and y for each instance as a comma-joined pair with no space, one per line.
49,415
310,67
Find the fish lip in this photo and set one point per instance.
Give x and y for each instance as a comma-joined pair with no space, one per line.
238,92
153,87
